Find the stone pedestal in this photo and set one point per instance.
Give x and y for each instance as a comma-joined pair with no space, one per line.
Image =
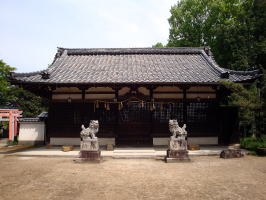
177,156
89,145
89,150
177,151
93,156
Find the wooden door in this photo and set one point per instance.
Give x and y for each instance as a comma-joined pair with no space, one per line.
134,125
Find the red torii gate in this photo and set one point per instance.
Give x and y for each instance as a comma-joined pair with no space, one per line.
11,115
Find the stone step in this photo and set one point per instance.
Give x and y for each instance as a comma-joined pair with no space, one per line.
134,153
130,150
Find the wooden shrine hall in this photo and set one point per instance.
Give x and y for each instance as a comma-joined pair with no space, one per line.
133,92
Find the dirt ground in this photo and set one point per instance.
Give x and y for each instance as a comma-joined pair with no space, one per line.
207,177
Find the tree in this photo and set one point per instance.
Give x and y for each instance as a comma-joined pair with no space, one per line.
234,29
259,31
246,99
224,25
4,84
187,23
15,97
31,104
158,45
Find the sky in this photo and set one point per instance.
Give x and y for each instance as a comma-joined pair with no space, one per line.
31,30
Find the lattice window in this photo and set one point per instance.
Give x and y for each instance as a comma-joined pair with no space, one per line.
163,113
76,117
134,112
105,116
197,111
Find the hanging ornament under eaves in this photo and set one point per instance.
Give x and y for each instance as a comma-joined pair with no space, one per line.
97,104
107,106
161,106
120,106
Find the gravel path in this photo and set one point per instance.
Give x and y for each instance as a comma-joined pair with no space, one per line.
206,177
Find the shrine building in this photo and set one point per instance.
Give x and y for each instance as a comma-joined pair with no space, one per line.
133,92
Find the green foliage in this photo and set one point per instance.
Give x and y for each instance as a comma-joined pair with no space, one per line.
29,103
187,23
15,97
234,29
236,32
263,97
246,99
252,143
4,84
259,31
158,45
10,142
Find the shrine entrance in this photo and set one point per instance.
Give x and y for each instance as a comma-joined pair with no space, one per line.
134,125
11,115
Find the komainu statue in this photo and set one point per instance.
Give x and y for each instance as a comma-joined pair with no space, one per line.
90,132
178,134
174,128
178,144
89,145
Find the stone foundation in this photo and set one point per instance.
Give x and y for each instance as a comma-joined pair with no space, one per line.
191,140
177,156
76,141
90,156
89,150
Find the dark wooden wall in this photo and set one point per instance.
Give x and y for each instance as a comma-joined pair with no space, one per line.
133,123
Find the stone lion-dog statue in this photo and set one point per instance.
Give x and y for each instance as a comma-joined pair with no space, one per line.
90,132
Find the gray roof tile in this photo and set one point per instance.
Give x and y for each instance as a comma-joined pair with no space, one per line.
136,65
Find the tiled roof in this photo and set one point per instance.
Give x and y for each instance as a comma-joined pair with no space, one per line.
39,118
133,65
29,119
43,115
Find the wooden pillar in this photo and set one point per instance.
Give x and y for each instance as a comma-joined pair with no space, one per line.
185,105
48,122
83,107
151,112
116,112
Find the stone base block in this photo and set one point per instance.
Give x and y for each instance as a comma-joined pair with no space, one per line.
175,160
231,153
177,156
81,160
90,155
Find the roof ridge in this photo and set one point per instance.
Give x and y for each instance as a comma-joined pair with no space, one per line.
134,48
114,51
212,63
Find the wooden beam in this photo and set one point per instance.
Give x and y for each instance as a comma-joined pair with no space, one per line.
84,93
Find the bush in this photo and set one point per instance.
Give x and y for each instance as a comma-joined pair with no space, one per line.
10,142
263,141
252,143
